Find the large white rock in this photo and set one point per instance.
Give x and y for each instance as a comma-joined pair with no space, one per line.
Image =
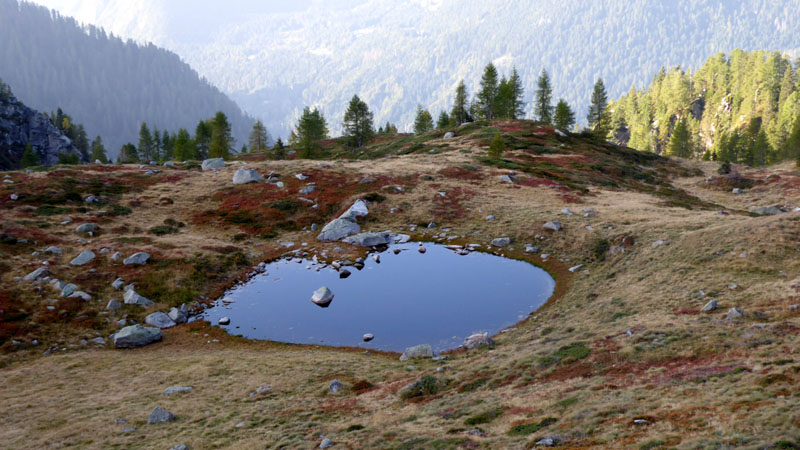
322,297
244,176
213,164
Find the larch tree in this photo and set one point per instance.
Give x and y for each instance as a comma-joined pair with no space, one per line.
543,103
680,143
258,137
423,122
460,112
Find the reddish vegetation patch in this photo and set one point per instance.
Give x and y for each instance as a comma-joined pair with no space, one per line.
32,235
686,311
450,206
539,182
460,173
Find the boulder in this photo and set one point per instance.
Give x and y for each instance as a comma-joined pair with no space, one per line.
41,272
734,314
116,257
113,305
567,212
81,295
244,176
767,211
449,135
491,218
86,228
322,297
224,321
84,258
177,390
370,239
160,415
736,191
137,259
359,209
160,320
53,250
213,164
368,337
553,226
136,336
91,199
501,242
506,179
68,289
117,284
326,443
179,315
132,298
710,306
338,229
478,339
335,386
419,351
574,269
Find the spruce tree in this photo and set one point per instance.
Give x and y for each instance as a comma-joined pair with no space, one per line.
598,118
542,105
99,151
563,118
487,95
278,150
221,139
503,102
680,141
157,146
761,150
128,154
357,123
443,121
423,122
310,129
258,137
184,147
145,147
460,112
30,157
497,147
517,102
202,138
792,144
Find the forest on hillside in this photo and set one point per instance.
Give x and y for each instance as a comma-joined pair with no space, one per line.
108,84
741,107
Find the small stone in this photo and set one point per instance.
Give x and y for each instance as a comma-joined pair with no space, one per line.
501,242
84,258
734,314
710,306
177,390
506,179
421,249
137,259
132,298
91,199
37,274
178,315
344,273
736,191
301,177
160,415
491,218
368,337
53,250
14,197
68,289
576,268
307,190
553,226
81,295
432,225
335,386
326,443
180,447
658,243
449,135
117,284
116,257
224,321
567,212
87,228
531,249
99,341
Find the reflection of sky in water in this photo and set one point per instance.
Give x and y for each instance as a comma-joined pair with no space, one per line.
438,298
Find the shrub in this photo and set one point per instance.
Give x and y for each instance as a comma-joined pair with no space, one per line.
496,147
427,385
525,429
484,417
161,230
599,248
724,168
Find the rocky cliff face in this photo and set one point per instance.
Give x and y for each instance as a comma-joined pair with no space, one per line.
20,125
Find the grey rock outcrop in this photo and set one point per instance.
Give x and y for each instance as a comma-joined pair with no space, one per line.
244,176
160,415
370,239
419,351
136,336
137,259
160,320
213,164
84,258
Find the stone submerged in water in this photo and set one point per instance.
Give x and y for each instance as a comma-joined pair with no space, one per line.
137,259
478,339
419,351
322,297
244,176
136,336
213,164
370,239
84,258
160,415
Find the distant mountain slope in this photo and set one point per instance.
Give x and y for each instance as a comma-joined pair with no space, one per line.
397,54
20,126
109,85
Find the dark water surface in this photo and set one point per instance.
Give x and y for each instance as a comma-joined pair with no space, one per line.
438,298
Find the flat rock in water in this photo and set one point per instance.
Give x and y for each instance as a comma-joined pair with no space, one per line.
478,339
160,320
160,415
84,258
244,176
136,336
370,239
132,298
322,297
338,229
137,259
212,164
419,351
501,242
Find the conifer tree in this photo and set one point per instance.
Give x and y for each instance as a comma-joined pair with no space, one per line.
423,122
443,121
542,106
388,128
221,139
258,137
30,157
184,147
145,147
517,98
202,138
598,117
761,149
157,146
564,117
487,95
99,151
497,147
278,150
310,129
128,154
503,102
680,141
792,144
357,123
460,112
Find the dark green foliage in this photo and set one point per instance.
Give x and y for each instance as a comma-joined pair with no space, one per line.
567,353
423,122
599,248
487,95
564,117
599,121
497,147
128,154
427,385
202,139
98,151
279,150
355,427
374,197
221,139
310,129
146,147
50,210
184,147
258,137
119,210
652,444
443,121
30,157
460,112
543,100
286,205
724,168
680,143
357,123
69,159
484,417
530,428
